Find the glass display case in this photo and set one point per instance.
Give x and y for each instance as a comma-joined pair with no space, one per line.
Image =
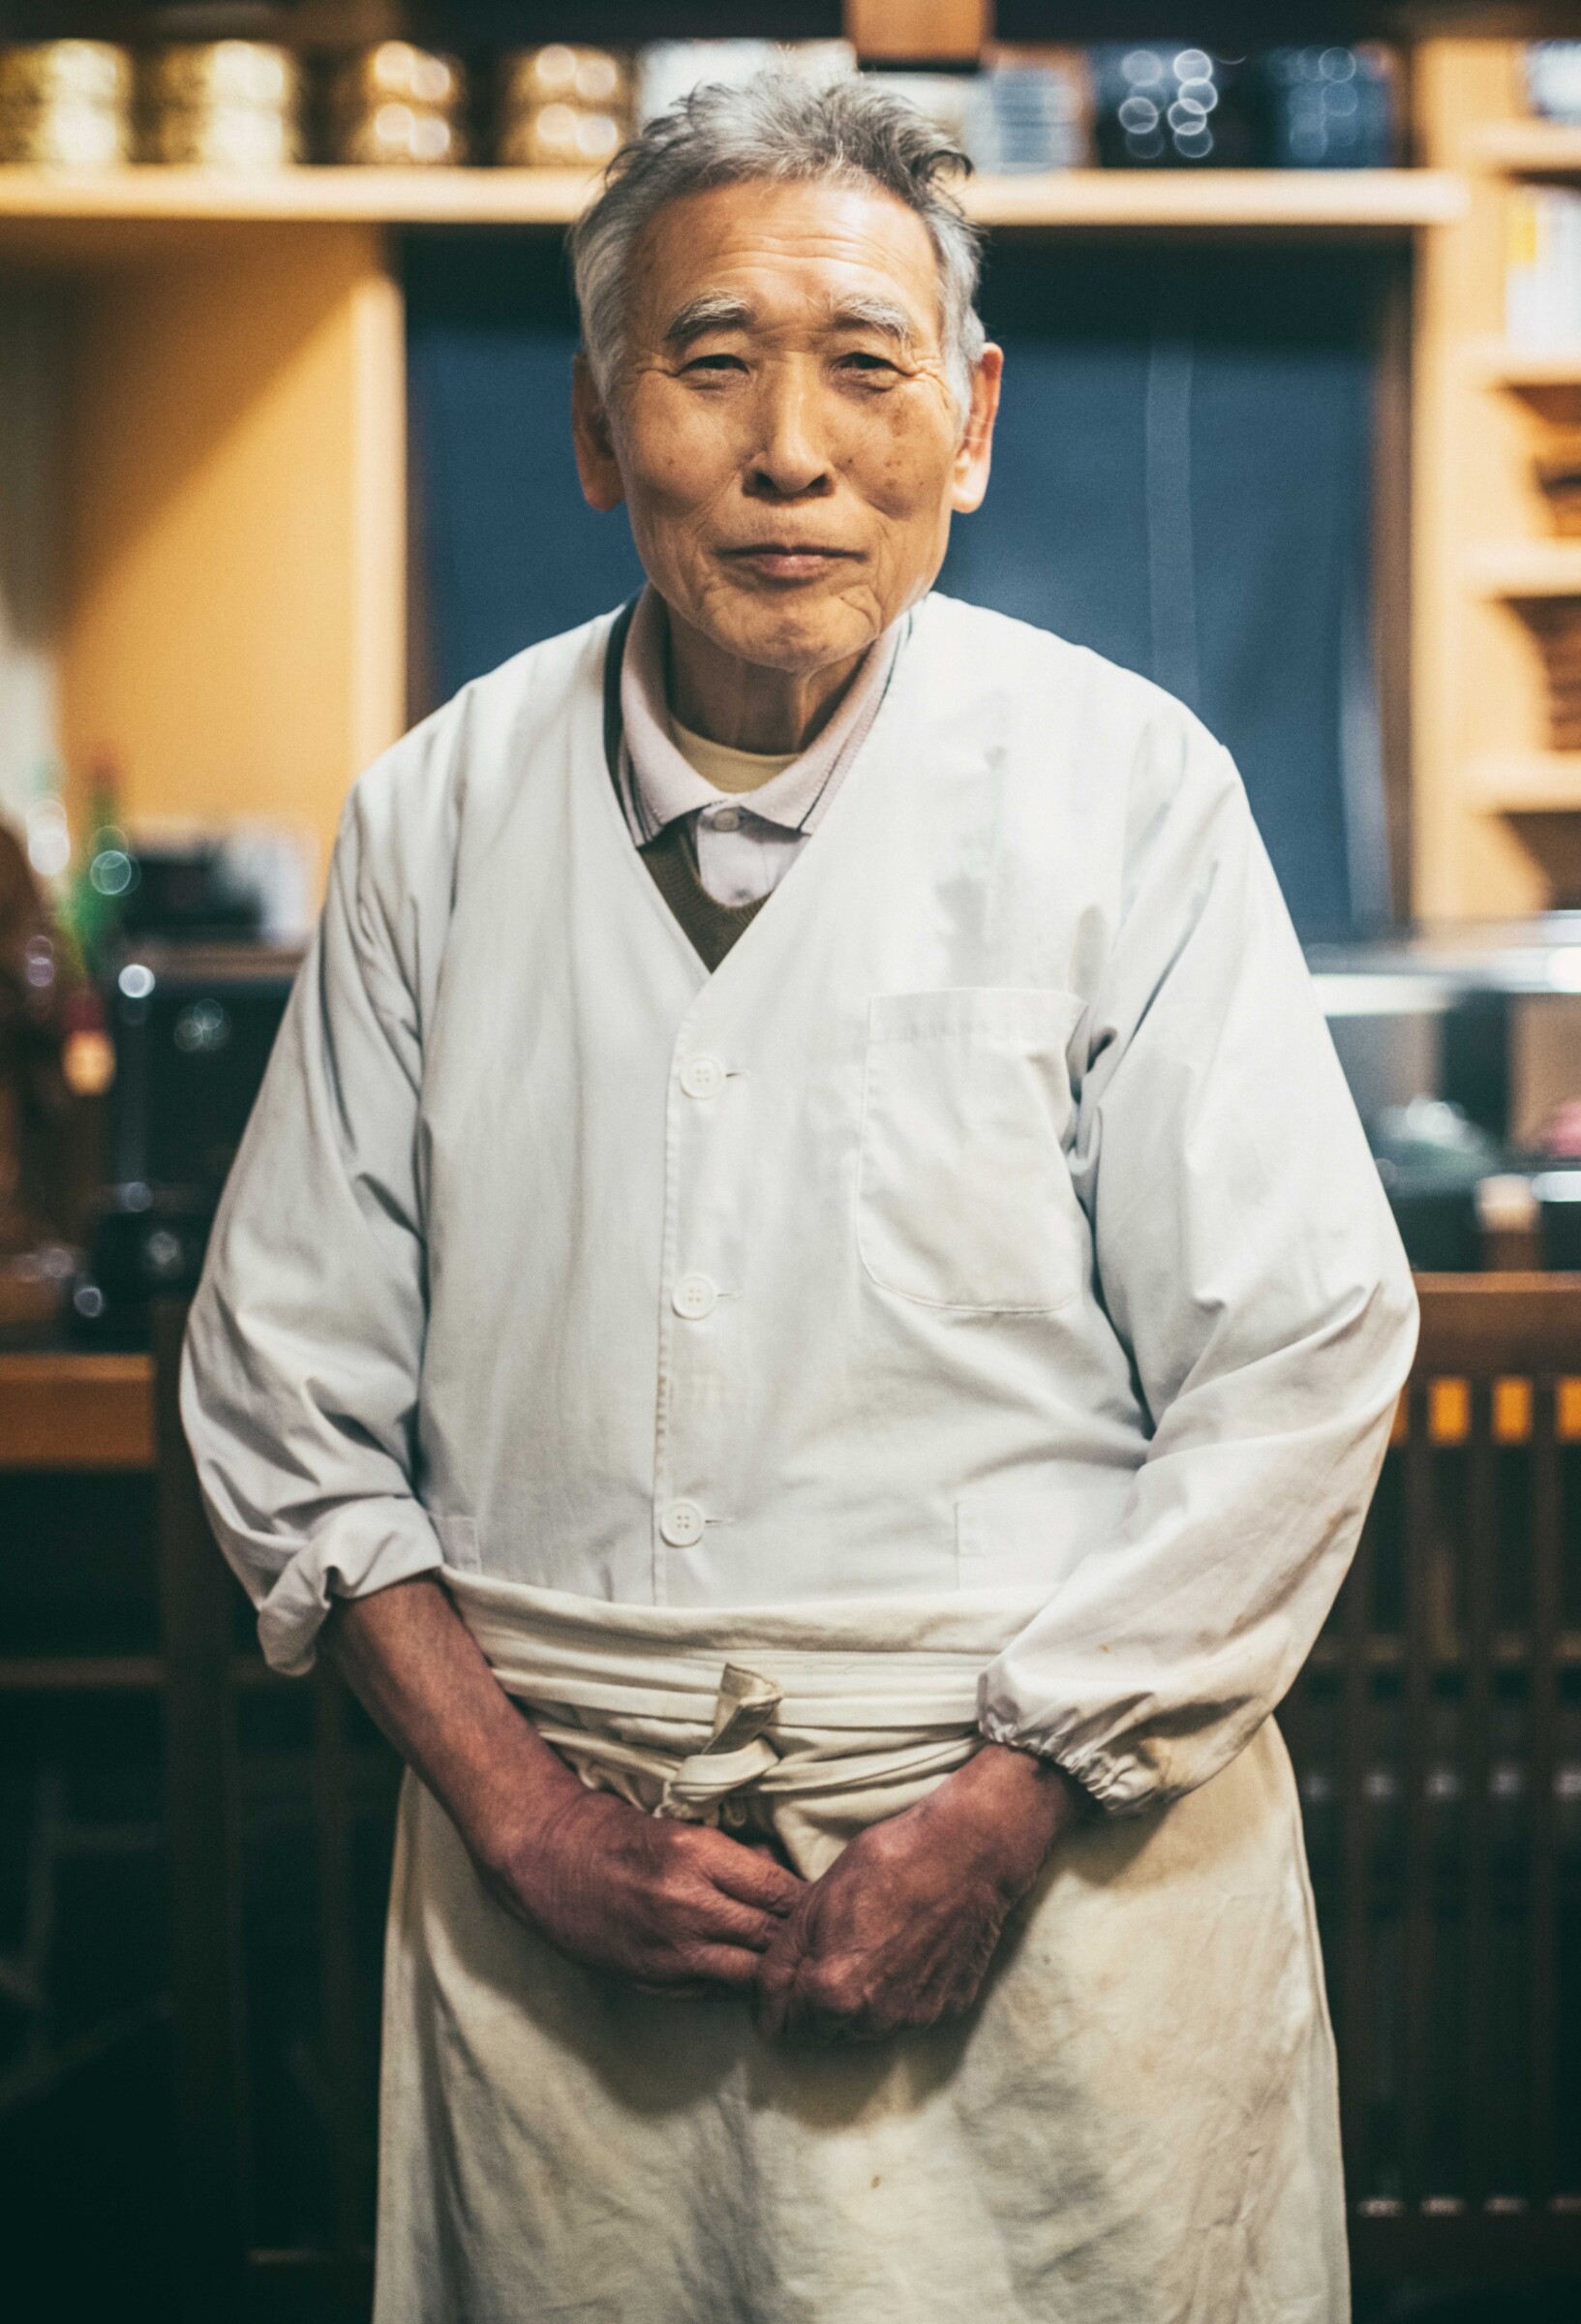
1462,1045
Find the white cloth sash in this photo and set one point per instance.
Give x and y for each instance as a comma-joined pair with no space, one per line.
1134,2125
810,1719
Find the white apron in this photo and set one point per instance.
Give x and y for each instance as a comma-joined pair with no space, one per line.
992,1227
1136,2124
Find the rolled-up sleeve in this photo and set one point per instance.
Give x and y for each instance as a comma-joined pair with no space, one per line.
304,1350
1247,1260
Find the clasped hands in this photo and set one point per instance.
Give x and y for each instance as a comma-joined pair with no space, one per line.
897,1935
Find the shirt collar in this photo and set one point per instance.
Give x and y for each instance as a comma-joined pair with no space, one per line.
657,784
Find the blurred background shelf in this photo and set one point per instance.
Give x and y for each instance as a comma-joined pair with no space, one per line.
309,195
1500,363
1526,782
1236,201
1526,569
1527,148
36,1674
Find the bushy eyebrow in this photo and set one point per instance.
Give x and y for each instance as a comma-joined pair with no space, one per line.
719,311
711,311
886,316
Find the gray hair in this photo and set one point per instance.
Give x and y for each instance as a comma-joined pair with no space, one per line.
784,130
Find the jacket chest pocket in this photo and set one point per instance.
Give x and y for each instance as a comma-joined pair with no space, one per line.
963,1197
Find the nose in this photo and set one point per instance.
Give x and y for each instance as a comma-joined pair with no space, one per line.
790,462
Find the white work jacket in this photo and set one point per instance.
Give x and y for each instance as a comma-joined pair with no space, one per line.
994,1218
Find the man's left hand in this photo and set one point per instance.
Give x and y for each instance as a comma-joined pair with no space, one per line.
900,1931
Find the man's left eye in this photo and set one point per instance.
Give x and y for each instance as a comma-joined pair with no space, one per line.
869,366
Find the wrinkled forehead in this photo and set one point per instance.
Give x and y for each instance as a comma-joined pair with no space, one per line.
774,259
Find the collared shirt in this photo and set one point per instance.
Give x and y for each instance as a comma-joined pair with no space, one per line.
1000,1220
743,845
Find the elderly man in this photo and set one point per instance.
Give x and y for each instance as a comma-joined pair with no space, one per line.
805,1310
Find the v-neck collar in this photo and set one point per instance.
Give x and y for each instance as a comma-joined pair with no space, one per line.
612,812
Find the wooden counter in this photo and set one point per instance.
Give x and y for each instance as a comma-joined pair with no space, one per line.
1403,1700
64,1409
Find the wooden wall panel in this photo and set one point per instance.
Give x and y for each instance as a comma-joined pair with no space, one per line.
235,632
1479,695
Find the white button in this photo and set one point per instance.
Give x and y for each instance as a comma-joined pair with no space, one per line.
727,818
694,1296
701,1077
682,1524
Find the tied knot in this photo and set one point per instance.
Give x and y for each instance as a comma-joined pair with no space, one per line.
737,1755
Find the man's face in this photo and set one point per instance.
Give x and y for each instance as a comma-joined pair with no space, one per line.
785,435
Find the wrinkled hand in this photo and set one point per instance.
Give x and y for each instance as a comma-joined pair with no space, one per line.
672,1907
900,1931
675,1908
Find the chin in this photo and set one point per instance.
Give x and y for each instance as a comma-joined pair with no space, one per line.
782,633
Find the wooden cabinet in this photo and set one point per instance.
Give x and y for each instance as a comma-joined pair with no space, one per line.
1436,1735
1497,810
231,620
230,628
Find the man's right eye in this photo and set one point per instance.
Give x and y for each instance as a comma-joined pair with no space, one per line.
716,363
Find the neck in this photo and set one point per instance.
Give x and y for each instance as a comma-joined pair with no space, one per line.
745,705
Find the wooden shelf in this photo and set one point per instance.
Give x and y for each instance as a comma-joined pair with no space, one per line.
1321,200
1526,782
1230,201
1496,363
71,1411
1507,1650
1547,378
116,1673
1527,148
81,1674
1526,569
319,196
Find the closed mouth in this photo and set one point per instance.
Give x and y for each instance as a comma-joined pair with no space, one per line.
789,552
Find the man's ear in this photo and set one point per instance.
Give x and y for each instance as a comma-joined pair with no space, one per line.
976,449
595,463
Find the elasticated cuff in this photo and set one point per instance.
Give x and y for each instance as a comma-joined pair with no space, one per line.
1119,1785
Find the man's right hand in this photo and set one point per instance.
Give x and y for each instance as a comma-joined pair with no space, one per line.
676,1907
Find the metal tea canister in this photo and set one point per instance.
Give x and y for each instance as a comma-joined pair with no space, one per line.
224,105
66,105
395,106
561,107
